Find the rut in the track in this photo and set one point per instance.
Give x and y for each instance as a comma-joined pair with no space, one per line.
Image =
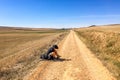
78,64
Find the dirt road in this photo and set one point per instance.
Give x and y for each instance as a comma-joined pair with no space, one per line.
77,63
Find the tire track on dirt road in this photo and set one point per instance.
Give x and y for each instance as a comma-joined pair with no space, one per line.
78,64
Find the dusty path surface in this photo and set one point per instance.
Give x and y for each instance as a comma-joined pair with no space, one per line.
77,63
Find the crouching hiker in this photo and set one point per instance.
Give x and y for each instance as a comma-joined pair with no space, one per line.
51,53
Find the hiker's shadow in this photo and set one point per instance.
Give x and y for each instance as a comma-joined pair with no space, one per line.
61,60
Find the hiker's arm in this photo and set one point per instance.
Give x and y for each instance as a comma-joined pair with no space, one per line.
56,53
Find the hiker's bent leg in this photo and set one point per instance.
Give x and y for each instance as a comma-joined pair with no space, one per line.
50,56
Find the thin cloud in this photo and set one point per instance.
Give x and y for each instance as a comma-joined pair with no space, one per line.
92,16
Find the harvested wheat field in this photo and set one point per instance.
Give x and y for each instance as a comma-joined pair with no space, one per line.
104,42
78,60
20,49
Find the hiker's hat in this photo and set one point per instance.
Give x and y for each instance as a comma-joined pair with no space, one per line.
55,46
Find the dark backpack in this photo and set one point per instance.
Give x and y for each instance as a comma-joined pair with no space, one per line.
44,56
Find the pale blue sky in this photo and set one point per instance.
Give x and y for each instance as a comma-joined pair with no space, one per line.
59,13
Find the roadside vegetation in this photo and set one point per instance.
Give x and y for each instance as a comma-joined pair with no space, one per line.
20,50
104,42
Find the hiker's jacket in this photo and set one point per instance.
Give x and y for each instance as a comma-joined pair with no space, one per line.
50,50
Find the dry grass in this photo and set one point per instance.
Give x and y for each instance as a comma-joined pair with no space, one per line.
20,50
105,43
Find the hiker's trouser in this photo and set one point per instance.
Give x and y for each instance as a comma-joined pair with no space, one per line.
49,56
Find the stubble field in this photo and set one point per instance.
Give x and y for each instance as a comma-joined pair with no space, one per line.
20,49
104,42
